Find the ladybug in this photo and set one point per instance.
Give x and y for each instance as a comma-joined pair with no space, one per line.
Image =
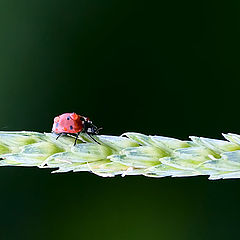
74,124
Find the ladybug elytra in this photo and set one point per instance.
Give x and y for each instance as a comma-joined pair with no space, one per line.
72,123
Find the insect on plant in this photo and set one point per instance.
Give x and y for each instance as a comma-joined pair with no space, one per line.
74,124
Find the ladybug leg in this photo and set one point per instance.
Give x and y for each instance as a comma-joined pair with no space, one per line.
76,139
59,135
93,138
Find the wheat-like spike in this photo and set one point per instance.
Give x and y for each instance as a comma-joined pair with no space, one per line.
129,154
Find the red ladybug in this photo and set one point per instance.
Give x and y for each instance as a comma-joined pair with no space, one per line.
72,123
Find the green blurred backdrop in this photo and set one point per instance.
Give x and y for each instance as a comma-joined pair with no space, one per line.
155,67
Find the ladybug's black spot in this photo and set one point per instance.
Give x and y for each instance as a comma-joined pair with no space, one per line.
57,124
68,118
71,127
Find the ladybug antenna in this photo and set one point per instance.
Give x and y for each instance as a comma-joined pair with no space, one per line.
98,129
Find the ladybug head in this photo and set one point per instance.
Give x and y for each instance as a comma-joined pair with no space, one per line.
89,127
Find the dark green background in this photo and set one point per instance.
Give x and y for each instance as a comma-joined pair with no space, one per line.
169,68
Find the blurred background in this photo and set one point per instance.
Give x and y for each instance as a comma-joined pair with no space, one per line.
155,67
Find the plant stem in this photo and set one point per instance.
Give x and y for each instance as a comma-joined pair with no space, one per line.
129,154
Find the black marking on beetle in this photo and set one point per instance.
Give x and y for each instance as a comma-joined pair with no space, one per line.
71,127
57,124
68,118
